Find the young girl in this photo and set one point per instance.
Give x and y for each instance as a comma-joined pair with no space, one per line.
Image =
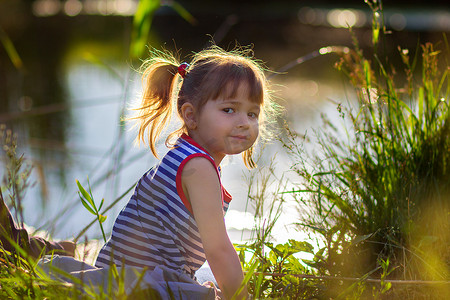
176,216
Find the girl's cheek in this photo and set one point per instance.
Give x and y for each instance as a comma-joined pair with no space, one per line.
256,130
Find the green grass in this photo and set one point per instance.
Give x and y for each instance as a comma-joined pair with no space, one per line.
380,186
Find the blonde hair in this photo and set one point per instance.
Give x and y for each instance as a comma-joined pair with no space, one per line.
212,73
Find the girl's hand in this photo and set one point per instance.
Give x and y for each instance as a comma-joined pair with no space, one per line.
217,291
68,247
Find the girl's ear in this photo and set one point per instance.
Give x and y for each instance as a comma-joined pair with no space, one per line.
189,116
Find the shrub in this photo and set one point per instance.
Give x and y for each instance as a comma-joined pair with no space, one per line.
380,186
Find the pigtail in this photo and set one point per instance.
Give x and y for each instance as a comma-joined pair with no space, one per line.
155,110
247,157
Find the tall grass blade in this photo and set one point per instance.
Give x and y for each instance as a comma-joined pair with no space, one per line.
141,26
11,50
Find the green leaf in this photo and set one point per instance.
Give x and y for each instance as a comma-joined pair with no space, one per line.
322,231
375,37
101,218
259,284
319,255
183,13
368,77
91,196
387,286
323,173
101,204
420,105
285,250
114,271
361,238
141,26
295,265
302,246
241,254
281,250
299,191
247,277
311,263
84,192
11,50
273,257
86,205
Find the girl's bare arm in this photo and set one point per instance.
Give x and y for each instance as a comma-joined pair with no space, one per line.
201,186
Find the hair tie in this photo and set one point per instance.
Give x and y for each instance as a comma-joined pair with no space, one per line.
182,69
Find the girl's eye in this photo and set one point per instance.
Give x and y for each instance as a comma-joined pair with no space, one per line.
228,110
253,115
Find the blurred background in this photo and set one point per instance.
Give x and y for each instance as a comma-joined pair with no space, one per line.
69,78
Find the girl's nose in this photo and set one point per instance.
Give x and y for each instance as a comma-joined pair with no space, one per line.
243,121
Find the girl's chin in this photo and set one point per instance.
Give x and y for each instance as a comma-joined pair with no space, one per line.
237,150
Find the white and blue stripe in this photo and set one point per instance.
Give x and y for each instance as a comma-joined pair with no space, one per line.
155,227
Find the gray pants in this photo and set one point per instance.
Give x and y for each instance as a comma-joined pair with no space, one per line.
165,282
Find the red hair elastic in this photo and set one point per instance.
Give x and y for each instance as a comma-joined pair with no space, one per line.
182,69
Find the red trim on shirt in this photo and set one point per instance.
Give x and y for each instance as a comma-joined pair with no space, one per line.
226,197
178,178
191,141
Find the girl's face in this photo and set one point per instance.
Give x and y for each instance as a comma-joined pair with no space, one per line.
227,126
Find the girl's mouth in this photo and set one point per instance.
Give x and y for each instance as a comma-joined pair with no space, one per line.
240,137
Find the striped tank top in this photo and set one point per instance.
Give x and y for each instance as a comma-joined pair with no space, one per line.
157,226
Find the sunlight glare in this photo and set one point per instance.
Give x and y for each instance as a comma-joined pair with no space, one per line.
124,7
397,21
45,8
342,18
73,7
